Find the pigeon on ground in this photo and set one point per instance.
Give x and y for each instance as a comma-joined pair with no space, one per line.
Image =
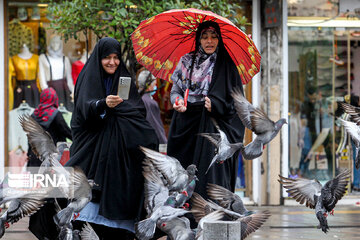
177,228
258,122
157,204
88,233
227,199
315,196
170,168
249,224
354,131
224,149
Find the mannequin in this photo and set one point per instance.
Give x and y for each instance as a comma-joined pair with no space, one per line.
77,66
55,71
25,82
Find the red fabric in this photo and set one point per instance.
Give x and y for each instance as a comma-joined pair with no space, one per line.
76,68
160,41
49,102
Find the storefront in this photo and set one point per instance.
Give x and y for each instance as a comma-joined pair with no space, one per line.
323,54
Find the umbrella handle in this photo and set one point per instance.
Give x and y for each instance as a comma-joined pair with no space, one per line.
186,97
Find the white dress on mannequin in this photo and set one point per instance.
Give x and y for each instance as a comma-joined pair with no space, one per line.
55,71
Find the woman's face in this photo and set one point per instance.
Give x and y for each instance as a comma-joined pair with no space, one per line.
209,41
110,63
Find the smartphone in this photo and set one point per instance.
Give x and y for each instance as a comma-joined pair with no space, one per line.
124,87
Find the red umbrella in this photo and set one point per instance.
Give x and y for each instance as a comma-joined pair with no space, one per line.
160,41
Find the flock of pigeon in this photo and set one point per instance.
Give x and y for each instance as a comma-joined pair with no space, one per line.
169,188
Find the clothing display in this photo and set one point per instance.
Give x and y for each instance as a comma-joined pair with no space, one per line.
18,35
55,72
25,83
17,136
76,68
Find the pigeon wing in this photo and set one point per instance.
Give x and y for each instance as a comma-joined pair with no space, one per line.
302,189
155,194
223,196
353,111
338,185
22,207
200,207
214,138
169,167
352,129
250,224
261,122
40,141
88,233
243,108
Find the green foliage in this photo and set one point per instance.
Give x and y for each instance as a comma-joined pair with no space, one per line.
119,18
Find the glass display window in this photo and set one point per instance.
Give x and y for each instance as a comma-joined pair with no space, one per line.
323,69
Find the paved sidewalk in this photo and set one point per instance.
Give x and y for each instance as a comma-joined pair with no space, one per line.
286,223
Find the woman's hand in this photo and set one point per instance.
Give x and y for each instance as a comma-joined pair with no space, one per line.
113,100
208,104
179,105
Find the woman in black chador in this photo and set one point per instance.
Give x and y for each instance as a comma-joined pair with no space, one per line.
107,132
211,75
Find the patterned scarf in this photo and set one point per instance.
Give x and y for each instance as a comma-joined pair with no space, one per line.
47,109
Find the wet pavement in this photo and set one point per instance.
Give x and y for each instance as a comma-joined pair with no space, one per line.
285,223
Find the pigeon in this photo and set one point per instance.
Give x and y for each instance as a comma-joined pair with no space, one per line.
224,149
170,168
82,195
157,205
354,131
353,111
177,228
249,224
88,233
227,199
258,122
315,196
21,207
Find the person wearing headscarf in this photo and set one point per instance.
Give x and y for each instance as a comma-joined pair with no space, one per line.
51,120
107,132
210,75
147,87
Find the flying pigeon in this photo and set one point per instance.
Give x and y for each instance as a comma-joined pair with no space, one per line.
258,122
88,233
177,228
224,149
170,168
315,196
249,224
353,111
82,195
157,204
354,131
227,199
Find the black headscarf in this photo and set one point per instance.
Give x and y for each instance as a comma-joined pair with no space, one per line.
106,147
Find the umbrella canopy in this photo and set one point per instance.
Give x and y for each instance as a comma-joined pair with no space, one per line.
160,41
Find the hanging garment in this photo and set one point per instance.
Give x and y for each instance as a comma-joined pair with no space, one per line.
76,68
18,159
18,35
61,86
17,136
26,85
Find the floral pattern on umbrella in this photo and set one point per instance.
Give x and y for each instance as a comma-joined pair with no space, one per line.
160,41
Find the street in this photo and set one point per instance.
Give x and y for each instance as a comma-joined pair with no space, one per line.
285,223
